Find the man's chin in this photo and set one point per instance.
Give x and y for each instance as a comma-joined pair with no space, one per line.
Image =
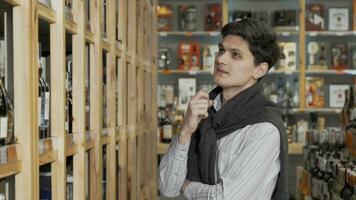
218,82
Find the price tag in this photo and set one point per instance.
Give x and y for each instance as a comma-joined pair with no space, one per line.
163,33
192,72
313,33
285,33
340,33
188,33
213,33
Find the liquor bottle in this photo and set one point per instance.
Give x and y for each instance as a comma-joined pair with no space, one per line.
194,59
315,181
10,115
282,59
104,18
353,180
69,99
41,104
167,127
3,118
344,120
160,122
273,96
282,94
45,100
353,106
208,59
295,93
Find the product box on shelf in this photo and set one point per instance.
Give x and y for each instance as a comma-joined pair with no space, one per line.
315,17
285,20
164,17
317,55
187,17
209,53
337,95
189,56
288,58
213,17
165,94
353,56
186,90
239,14
339,55
263,15
164,57
314,92
338,19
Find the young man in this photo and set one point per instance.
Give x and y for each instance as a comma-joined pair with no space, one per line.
232,144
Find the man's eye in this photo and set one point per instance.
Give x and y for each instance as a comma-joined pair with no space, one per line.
221,50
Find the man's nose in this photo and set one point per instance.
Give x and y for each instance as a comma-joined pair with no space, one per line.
221,58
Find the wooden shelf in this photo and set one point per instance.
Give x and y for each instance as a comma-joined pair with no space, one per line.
89,145
129,57
283,72
89,36
216,33
71,150
320,110
162,148
119,48
287,33
295,148
105,139
191,72
46,13
48,157
71,26
330,33
106,45
188,33
331,72
13,2
10,169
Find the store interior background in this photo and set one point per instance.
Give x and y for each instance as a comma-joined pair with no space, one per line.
317,65
92,91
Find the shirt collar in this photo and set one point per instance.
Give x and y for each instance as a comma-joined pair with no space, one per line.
217,102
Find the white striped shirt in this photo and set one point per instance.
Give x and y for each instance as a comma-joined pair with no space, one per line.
247,166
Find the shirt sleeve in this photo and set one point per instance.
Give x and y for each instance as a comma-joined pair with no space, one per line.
242,178
173,169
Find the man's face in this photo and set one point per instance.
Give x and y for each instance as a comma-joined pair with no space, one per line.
234,64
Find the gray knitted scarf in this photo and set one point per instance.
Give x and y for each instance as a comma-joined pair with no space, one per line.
246,108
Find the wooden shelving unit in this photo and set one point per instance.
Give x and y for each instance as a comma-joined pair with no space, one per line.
129,141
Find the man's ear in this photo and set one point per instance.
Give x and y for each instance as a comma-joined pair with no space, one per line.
260,70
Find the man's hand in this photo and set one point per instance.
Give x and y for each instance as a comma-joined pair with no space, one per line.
197,110
185,184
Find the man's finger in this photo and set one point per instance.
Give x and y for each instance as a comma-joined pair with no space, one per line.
201,95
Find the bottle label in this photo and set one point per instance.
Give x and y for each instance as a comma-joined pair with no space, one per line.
39,111
167,131
47,99
3,155
3,127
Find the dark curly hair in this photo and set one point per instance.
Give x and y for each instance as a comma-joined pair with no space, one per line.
262,40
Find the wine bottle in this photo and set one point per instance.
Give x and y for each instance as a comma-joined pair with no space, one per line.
3,117
10,115
45,100
39,101
69,98
167,129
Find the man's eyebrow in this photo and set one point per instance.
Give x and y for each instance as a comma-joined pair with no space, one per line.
230,49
